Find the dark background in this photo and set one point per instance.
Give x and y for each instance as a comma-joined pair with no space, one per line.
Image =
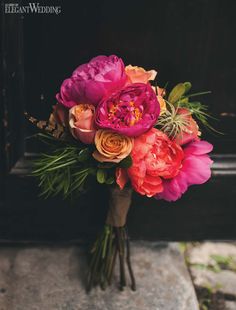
184,40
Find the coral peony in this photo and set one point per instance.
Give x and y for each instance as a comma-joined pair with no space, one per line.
139,75
130,111
154,156
81,122
111,147
195,170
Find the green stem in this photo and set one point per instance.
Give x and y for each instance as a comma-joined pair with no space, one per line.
132,278
121,257
112,264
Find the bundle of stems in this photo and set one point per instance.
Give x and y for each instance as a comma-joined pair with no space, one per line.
113,242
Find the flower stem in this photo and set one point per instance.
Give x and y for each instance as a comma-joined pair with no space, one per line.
132,278
112,241
120,247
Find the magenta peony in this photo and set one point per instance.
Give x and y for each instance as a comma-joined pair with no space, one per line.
130,111
92,81
69,93
99,77
195,170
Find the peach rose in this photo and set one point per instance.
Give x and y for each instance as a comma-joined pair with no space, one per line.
162,104
81,122
139,75
111,147
160,92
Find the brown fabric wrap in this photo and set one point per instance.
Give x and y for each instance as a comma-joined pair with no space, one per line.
120,201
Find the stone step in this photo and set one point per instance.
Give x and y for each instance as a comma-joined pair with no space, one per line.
52,278
213,269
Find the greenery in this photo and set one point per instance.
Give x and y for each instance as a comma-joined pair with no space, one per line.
67,169
173,124
63,171
112,243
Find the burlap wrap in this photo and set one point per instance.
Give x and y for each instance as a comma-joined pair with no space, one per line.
119,203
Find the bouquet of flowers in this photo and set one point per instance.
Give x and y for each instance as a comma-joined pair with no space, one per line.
110,123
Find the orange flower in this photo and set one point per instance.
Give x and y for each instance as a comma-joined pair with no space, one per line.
162,104
160,92
139,75
111,147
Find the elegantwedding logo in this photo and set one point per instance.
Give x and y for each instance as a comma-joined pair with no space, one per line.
31,8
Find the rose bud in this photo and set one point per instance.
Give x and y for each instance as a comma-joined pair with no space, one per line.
81,122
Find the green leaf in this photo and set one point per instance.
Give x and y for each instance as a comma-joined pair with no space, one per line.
199,94
83,155
187,86
183,101
101,176
176,93
126,162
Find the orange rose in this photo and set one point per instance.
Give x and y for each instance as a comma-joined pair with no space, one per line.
111,147
139,75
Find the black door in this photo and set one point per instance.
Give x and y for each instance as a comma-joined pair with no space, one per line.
184,40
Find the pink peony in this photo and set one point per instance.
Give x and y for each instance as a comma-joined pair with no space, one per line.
130,111
99,77
92,81
195,170
69,94
154,156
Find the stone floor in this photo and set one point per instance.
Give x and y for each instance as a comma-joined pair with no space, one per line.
52,278
213,269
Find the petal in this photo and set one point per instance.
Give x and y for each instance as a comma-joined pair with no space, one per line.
197,169
198,148
121,177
